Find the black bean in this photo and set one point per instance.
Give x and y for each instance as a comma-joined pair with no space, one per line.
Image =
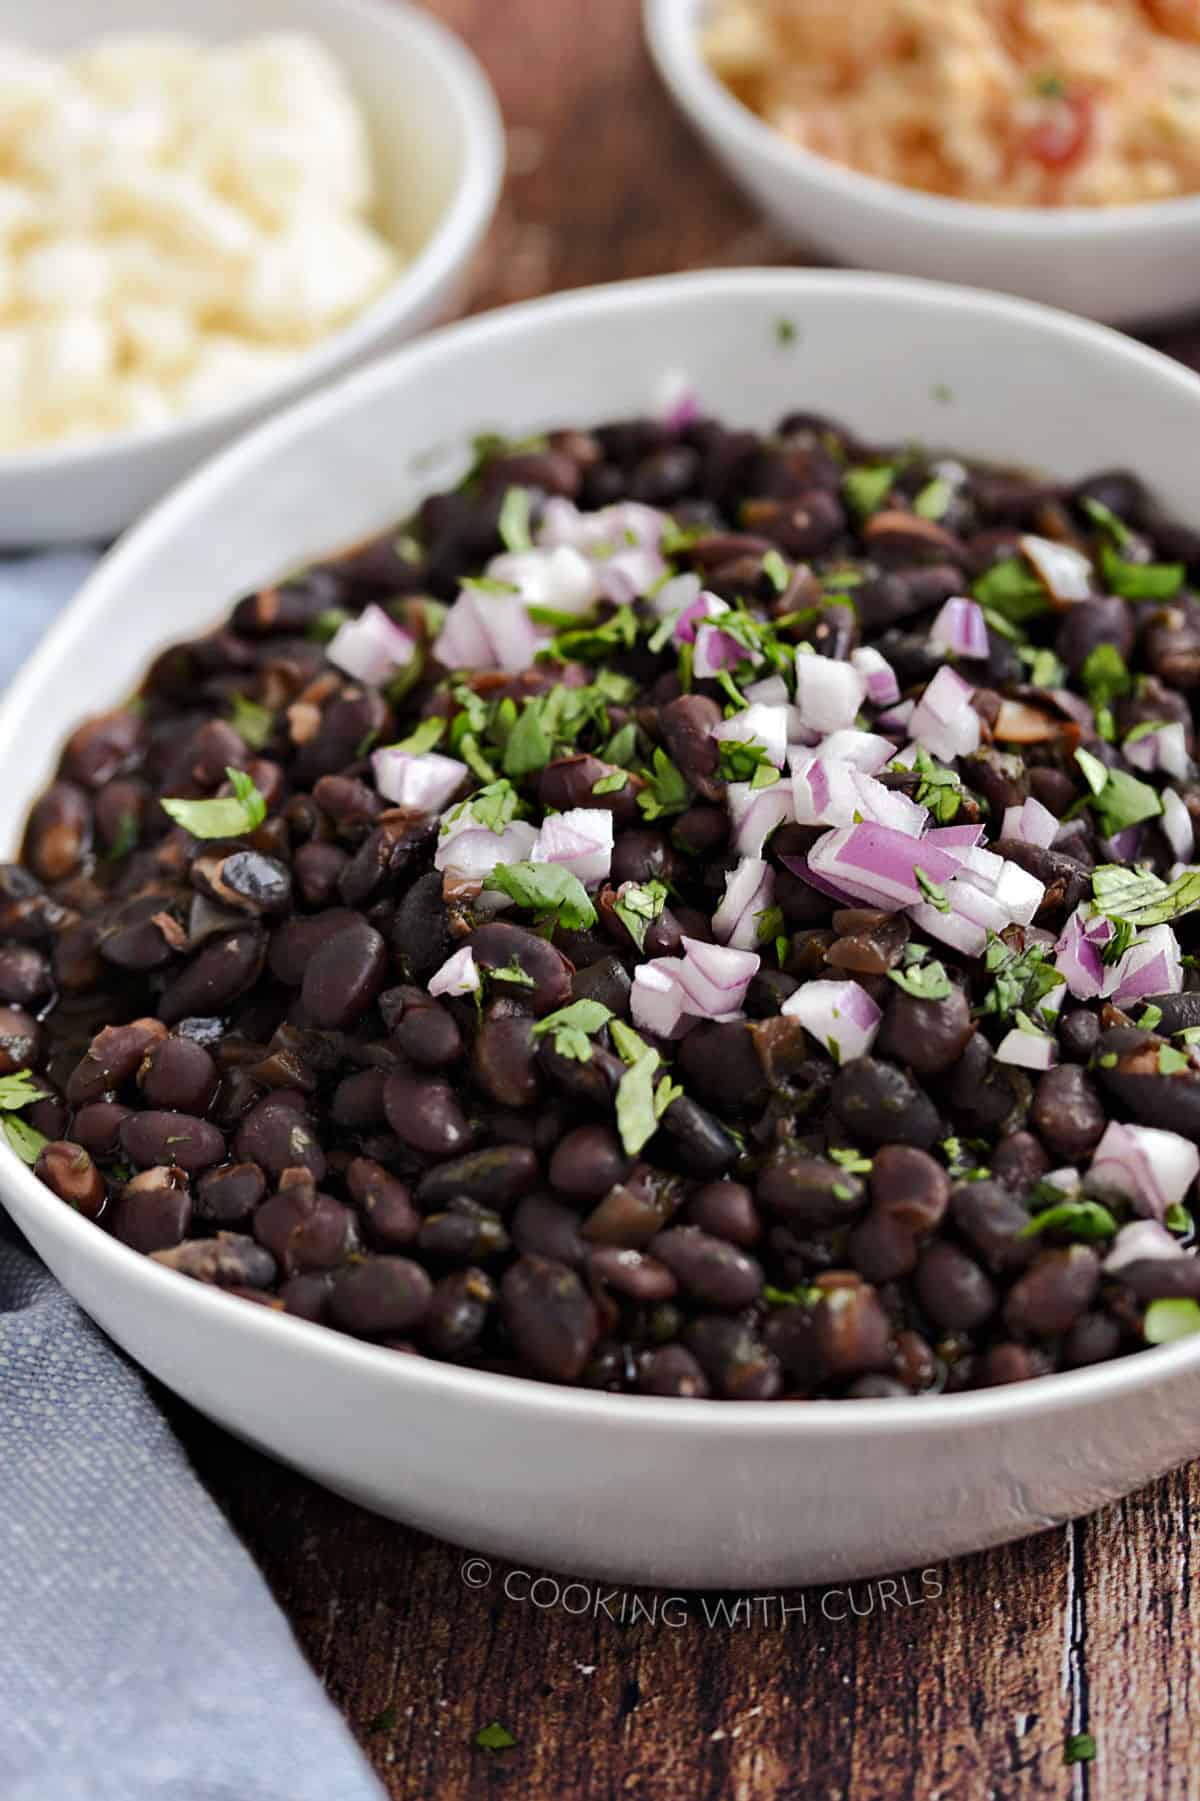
344,975
879,1104
387,1209
686,725
1094,1338
991,1219
851,1332
1163,1278
25,974
421,936
550,1317
709,1270
910,1187
458,1313
671,1370
154,1210
358,1099
424,1113
735,1360
700,1142
1068,1112
643,855
113,1058
20,1040
635,1275
69,1172
424,1030
882,1247
465,1232
224,969
228,1195
380,1297
1057,1288
952,1289
164,1137
230,1260
1020,1162
1083,628
504,1060
177,1073
277,1135
570,782
546,1227
500,947
296,942
317,870
588,1162
606,980
809,1191
302,1228
246,881
1079,1033
59,833
721,1063
103,748
97,1126
726,1210
929,1036
497,1177
987,1097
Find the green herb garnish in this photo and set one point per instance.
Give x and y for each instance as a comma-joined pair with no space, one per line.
867,488
1140,581
666,791
423,738
776,571
549,890
494,1737
637,906
1081,1746
572,1028
939,788
933,891
243,812
1080,1219
1021,980
924,981
529,746
252,722
1167,1320
514,519
1117,798
934,499
1010,590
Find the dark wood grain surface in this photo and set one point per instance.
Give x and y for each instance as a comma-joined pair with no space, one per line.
877,1694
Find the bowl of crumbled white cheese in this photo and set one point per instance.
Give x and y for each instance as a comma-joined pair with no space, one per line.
206,212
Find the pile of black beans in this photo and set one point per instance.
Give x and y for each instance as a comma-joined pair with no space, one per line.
244,1077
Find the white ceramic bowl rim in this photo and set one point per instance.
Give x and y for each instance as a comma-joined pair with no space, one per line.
446,247
1044,1394
671,29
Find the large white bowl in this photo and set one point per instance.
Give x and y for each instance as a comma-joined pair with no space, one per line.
678,1492
438,147
1126,265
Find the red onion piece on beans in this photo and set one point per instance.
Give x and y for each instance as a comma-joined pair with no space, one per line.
427,781
1151,965
771,690
956,837
758,724
1153,1168
749,890
1163,747
835,793
371,648
1064,572
459,974
841,1016
755,813
628,524
883,690
678,401
715,977
944,722
715,650
1177,826
675,595
865,750
959,933
580,840
828,693
1028,1050
875,864
657,1001
1032,823
629,574
960,629
561,578
701,607
475,851
1141,1241
487,631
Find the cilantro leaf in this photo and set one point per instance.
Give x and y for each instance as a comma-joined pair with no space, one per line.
612,783
791,1297
243,812
640,1103
514,519
745,760
1117,798
495,806
18,1090
423,738
1021,979
637,906
488,584
1167,1320
595,643
939,788
1012,591
529,748
24,1140
666,791
933,891
1107,520
934,499
494,1737
622,746
1081,1746
867,488
1140,581
776,571
572,1027
1105,679
924,981
252,722
513,973
1171,1061
1081,1219
547,888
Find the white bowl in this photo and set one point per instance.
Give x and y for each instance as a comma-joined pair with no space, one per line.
1125,265
438,148
678,1492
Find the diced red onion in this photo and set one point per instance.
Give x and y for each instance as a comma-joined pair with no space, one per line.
678,401
945,723
1142,1241
960,629
487,631
715,977
561,578
758,724
1066,1179
906,756
749,890
703,606
1123,846
772,691
897,719
954,929
841,1016
865,750
1027,1050
716,650
1064,572
1153,1168
1177,826
459,974
875,864
657,1000
1151,965
579,840
474,851
428,781
956,837
1078,954
675,595
1019,893
883,690
1032,823
828,692
624,525
371,648
1162,747
629,574
755,812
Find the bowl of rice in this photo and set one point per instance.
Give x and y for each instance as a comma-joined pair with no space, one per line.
1049,148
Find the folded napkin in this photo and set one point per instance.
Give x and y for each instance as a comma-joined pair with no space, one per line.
141,1655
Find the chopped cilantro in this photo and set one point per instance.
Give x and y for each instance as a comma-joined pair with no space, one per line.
232,817
1021,980
572,1028
1178,1219
1107,520
611,783
1171,1061
939,788
124,839
548,889
1117,798
1045,668
776,571
933,891
495,806
637,906
1079,1219
1011,590
327,624
488,584
1081,1746
740,760
423,737
791,1297
638,1112
529,746
1149,1017
785,331
22,1139
595,643
768,924
1167,1320
851,1160
924,981
1140,581
494,1737
867,488
666,791
934,499
512,972
252,722
514,519
622,746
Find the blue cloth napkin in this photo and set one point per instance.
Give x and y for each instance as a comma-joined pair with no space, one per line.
142,1657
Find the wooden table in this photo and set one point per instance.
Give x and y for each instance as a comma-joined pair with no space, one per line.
966,1696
